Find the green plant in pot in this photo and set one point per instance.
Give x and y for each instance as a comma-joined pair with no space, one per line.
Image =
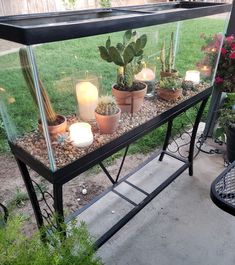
127,55
170,88
57,124
107,114
167,61
227,126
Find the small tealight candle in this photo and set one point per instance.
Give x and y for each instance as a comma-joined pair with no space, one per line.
80,134
87,97
193,75
147,76
206,71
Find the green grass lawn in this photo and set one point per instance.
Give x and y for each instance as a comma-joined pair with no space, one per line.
59,62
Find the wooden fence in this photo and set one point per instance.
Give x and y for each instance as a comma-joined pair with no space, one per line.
14,7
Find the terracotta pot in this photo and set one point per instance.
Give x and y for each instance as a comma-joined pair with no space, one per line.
55,130
108,123
130,101
168,94
174,73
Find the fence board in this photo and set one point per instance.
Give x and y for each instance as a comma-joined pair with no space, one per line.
1,9
13,7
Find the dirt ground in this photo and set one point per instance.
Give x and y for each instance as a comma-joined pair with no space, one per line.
13,193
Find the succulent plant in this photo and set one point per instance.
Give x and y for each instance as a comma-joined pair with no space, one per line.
51,116
62,139
170,83
188,85
167,61
127,55
107,106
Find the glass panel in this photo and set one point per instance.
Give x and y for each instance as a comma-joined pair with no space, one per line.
177,60
18,112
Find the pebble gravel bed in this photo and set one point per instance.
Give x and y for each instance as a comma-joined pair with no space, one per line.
65,153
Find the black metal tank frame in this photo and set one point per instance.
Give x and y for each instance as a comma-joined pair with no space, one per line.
58,187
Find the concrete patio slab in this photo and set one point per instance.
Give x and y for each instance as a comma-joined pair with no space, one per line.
180,226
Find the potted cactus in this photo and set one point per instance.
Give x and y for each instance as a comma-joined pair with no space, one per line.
128,57
107,114
170,88
57,124
168,61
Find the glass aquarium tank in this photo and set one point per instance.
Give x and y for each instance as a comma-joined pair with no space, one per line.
66,77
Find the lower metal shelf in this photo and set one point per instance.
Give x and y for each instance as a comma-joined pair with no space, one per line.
136,207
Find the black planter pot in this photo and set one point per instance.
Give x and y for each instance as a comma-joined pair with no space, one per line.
230,133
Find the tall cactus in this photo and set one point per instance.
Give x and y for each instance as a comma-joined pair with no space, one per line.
127,55
167,61
27,72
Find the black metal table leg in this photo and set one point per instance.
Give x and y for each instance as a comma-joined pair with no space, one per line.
31,192
32,196
194,134
58,206
167,137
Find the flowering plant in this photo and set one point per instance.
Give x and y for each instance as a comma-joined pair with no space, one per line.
225,76
210,50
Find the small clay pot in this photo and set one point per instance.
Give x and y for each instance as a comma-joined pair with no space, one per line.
129,101
174,73
168,94
108,123
55,130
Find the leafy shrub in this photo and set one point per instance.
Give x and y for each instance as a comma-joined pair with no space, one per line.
17,249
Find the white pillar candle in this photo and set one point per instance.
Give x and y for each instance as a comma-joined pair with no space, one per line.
145,74
87,97
193,75
80,134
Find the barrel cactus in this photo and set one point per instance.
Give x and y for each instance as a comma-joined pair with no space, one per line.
107,106
127,55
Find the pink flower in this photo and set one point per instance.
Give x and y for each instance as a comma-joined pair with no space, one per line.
219,80
232,55
233,46
230,38
223,51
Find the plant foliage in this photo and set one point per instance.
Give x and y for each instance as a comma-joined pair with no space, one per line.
105,3
170,83
225,76
107,106
127,54
17,249
226,117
